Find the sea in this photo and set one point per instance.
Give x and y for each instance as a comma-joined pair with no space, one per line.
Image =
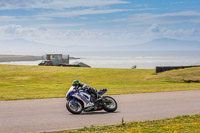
127,59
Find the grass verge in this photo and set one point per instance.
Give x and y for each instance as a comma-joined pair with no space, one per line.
179,124
31,82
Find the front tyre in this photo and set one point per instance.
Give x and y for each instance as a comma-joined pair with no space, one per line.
76,108
110,105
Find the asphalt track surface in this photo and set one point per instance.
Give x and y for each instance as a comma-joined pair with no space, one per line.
51,115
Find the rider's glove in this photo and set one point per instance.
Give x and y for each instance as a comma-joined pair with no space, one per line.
79,88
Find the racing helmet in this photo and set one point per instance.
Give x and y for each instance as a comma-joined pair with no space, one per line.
75,83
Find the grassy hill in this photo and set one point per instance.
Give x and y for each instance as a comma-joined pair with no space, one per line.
191,75
8,58
29,82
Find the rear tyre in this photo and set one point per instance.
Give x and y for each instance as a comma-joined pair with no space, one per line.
110,105
76,108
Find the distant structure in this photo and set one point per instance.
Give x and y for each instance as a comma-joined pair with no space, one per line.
54,60
60,60
81,64
134,67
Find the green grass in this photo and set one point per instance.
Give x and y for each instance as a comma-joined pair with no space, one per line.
7,58
30,82
179,124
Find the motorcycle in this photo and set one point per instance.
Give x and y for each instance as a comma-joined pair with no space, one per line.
82,100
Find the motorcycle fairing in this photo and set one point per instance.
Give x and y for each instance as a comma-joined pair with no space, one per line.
70,92
102,91
85,101
82,95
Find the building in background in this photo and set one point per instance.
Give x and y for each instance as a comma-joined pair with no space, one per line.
60,60
54,60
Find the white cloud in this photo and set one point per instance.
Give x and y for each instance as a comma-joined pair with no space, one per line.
141,5
55,4
18,31
58,25
154,28
187,16
79,12
179,2
80,37
12,18
62,14
94,38
165,18
156,31
84,18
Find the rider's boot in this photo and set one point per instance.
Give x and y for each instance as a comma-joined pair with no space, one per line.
97,97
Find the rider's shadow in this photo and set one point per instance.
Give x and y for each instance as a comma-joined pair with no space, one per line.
96,113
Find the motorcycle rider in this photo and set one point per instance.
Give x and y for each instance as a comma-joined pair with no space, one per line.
83,86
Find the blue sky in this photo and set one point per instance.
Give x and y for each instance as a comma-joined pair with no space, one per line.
91,23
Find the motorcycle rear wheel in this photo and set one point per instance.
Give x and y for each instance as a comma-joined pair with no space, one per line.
76,108
110,105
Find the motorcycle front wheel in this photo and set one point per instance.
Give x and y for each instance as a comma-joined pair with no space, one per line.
110,105
76,108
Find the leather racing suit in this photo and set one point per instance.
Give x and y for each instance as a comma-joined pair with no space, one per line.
83,86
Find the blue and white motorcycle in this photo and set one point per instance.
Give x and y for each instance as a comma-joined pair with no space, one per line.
81,100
